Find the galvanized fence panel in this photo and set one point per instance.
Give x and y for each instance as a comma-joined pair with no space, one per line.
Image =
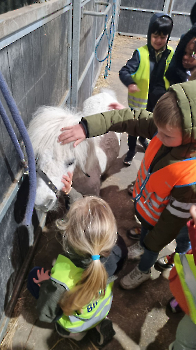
156,5
92,27
36,63
9,163
9,5
103,43
180,11
135,15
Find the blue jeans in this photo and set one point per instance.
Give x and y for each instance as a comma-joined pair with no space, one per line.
183,243
149,257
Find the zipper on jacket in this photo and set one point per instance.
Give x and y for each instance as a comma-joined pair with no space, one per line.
142,187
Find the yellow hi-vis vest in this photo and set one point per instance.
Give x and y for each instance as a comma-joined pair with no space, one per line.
141,77
152,190
68,275
186,270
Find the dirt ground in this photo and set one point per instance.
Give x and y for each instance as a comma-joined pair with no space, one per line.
141,319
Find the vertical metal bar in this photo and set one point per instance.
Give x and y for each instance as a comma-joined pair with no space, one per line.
168,6
69,57
116,20
171,6
75,51
93,63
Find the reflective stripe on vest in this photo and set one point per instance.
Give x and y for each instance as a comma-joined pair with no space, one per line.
186,269
152,190
92,313
141,77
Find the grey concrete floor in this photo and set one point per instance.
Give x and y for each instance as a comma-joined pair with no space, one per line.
139,316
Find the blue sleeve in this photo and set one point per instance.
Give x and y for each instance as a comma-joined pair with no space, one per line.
115,261
130,68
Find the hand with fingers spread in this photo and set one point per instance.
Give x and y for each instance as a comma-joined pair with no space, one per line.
42,276
115,105
72,133
67,181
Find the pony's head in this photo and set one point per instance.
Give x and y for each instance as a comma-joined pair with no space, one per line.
52,158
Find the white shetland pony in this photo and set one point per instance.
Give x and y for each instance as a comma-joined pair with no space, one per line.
92,156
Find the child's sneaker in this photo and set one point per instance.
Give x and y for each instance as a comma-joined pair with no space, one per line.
102,334
173,306
135,251
134,278
128,158
165,262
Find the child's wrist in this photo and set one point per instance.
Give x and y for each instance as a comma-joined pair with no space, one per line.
68,192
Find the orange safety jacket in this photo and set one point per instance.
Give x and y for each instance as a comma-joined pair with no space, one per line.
152,190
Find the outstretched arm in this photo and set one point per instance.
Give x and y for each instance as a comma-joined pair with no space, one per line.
77,133
135,123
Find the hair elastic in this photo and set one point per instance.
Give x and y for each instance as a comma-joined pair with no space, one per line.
95,257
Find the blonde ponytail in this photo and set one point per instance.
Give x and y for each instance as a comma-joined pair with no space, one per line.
89,231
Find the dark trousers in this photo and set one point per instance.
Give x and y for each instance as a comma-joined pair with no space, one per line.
132,143
149,257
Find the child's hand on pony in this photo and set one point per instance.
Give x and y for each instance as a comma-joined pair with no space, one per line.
115,105
67,181
41,276
72,133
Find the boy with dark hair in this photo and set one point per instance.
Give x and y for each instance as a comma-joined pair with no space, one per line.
165,187
144,73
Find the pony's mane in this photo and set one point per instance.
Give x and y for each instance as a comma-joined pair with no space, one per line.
44,130
99,103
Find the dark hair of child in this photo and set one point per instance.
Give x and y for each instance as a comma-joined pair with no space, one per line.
162,25
193,14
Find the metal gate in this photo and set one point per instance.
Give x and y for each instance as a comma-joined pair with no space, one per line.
44,62
134,16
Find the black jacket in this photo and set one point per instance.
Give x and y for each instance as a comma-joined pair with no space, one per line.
176,73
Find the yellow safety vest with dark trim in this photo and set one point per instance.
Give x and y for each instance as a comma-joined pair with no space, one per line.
68,275
186,270
141,77
152,190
